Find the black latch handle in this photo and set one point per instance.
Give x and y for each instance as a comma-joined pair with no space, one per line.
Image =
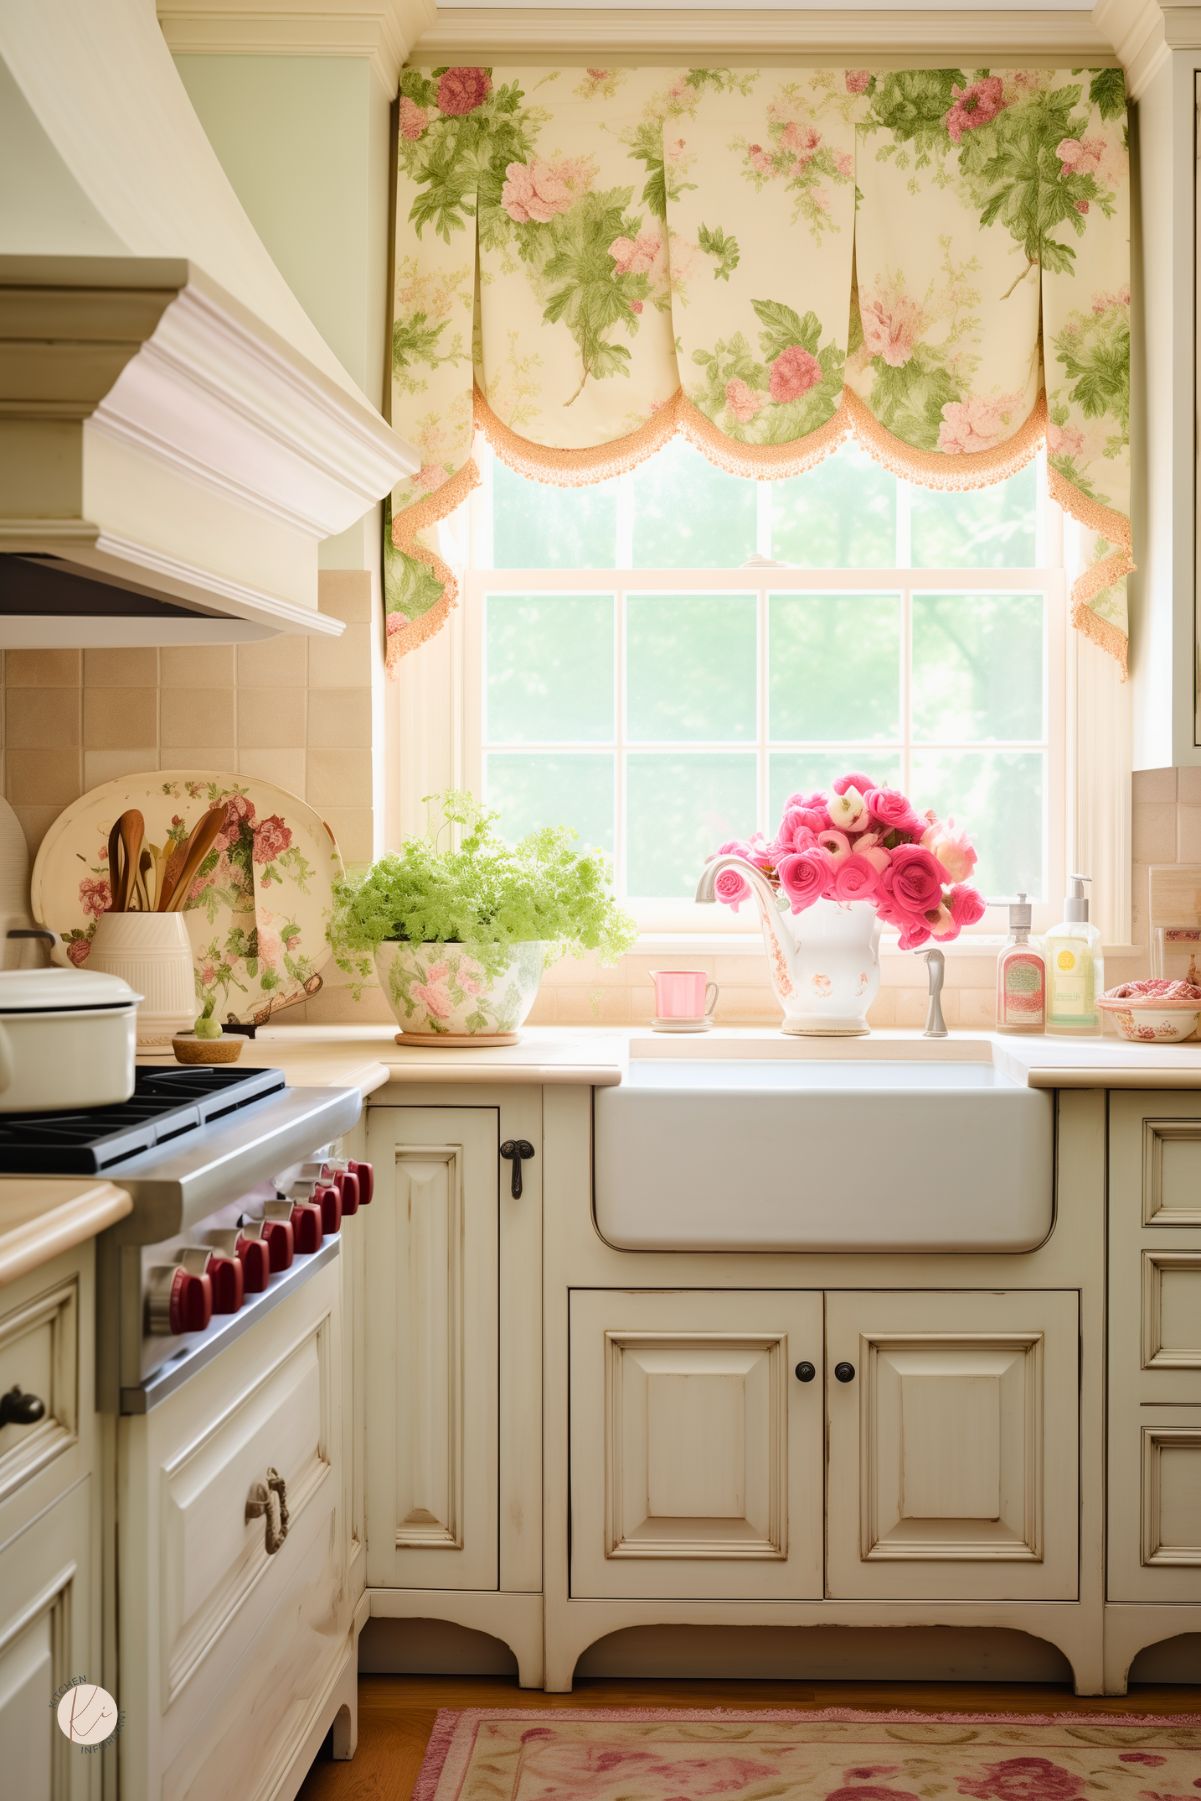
516,1151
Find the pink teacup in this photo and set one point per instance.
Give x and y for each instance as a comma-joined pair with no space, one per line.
683,994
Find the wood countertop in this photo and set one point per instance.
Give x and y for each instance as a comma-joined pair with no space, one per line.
40,1220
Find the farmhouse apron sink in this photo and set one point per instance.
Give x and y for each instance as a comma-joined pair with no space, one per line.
701,1154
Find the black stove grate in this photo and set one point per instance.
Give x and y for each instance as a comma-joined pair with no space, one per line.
166,1104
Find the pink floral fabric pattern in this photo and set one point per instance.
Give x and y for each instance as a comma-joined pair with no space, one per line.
523,1754
936,259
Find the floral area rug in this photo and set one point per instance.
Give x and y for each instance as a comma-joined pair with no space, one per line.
668,1754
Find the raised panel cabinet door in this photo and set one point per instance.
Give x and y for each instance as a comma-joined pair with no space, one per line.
1155,1505
432,1361
954,1445
696,1444
46,1640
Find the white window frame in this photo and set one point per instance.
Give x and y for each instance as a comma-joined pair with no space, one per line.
435,736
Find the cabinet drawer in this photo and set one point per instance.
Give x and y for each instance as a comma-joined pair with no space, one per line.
45,1351
1155,1505
1155,1168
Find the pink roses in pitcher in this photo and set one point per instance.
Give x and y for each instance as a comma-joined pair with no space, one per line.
861,842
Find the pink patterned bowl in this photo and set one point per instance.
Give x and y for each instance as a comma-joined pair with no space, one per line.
1167,1022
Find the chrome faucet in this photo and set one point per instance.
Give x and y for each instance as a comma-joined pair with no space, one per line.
936,966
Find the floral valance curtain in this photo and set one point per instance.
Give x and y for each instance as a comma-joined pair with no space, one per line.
937,261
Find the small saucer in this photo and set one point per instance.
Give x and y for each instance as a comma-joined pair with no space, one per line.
681,1025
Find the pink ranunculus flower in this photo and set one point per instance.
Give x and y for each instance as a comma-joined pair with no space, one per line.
536,191
793,373
857,80
462,90
413,119
869,846
971,425
855,878
967,906
1023,1779
893,811
856,779
913,882
805,877
914,934
743,400
848,811
271,838
953,848
642,255
800,140
800,826
732,888
975,105
835,844
890,328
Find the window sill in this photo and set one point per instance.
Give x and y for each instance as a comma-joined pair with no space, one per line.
750,944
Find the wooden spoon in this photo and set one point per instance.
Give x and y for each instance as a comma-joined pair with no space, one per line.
174,899
124,858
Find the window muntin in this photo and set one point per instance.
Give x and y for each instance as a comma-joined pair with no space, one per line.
662,708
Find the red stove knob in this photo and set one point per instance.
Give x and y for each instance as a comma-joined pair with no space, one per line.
191,1302
347,1185
280,1241
307,1228
366,1180
330,1199
255,1259
228,1282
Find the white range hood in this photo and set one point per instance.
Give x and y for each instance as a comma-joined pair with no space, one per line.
176,438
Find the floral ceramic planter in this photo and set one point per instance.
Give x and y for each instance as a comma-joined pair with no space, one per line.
440,991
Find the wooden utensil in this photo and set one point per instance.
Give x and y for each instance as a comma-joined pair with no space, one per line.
173,897
124,859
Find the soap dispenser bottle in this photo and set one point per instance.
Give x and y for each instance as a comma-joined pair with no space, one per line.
1021,976
1075,968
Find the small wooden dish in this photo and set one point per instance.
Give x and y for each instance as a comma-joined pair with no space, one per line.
190,1049
457,1041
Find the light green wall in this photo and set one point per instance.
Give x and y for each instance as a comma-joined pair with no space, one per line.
305,142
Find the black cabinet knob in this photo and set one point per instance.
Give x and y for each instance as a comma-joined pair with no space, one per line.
844,1372
805,1372
17,1409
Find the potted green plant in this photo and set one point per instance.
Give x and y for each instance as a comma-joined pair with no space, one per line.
459,932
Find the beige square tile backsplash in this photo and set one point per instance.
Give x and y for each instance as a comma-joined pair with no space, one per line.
298,712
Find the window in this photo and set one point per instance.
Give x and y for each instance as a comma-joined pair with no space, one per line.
661,659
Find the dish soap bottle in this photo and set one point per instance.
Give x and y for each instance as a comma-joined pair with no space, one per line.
1021,976
1075,968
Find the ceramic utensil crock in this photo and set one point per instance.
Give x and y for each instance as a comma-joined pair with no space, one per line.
153,953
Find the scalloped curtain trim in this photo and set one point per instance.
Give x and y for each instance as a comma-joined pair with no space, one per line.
767,462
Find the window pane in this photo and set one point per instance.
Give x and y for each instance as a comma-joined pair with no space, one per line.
986,528
690,662
805,771
689,514
680,807
548,663
841,514
977,666
537,526
834,666
998,798
532,791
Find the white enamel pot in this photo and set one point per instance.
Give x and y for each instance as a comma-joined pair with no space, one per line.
68,1039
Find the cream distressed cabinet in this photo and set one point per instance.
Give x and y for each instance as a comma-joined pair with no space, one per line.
1154,1578
453,1376
791,1445
48,1613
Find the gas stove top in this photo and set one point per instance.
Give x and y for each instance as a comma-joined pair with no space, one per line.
167,1107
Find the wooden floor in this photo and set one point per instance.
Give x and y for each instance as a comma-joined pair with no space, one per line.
396,1713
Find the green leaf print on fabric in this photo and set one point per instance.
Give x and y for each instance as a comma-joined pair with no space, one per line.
913,105
598,291
1093,351
410,586
790,389
722,249
646,144
457,136
1107,91
798,156
908,401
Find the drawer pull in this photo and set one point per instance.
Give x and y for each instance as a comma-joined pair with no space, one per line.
18,1409
516,1151
261,1506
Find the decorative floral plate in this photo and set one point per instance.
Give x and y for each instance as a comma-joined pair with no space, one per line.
259,907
